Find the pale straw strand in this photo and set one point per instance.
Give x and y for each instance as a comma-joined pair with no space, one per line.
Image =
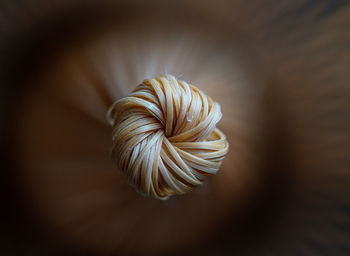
165,138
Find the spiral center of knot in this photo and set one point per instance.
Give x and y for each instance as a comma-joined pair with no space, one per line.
165,137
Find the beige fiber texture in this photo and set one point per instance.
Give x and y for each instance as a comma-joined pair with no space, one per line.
165,138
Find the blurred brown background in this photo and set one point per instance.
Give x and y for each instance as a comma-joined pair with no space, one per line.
279,69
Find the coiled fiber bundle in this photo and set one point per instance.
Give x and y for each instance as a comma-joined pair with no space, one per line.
165,138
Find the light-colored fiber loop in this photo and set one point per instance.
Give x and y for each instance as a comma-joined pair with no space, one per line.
165,138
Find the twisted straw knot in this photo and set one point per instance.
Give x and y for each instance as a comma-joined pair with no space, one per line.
165,138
